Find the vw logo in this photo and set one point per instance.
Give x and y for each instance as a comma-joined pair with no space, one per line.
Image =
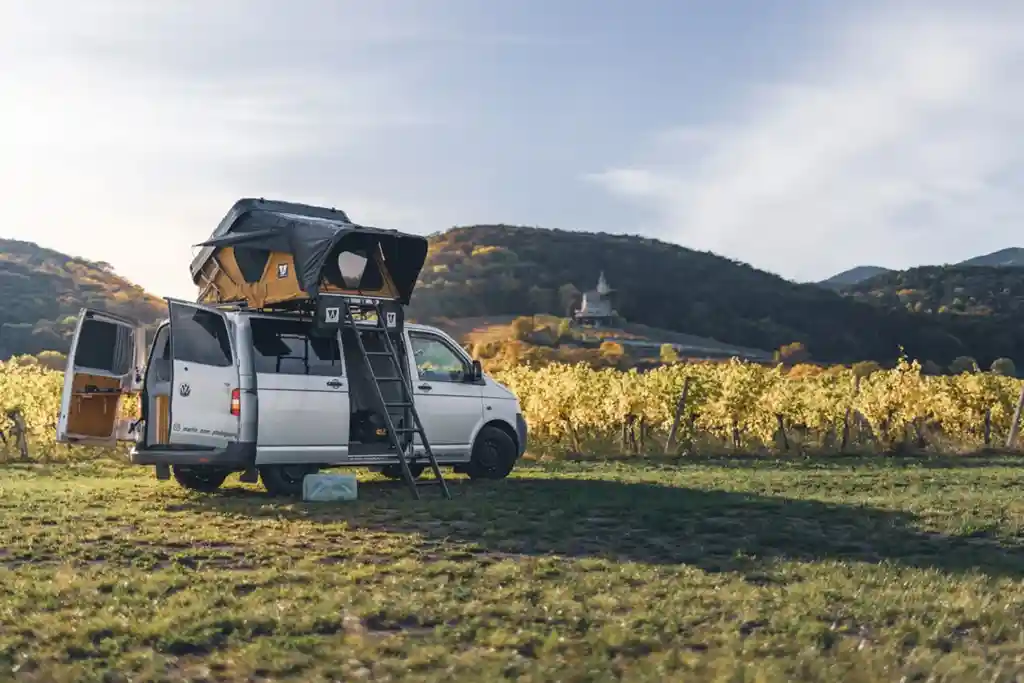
184,390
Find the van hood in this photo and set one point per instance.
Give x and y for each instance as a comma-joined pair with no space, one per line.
497,390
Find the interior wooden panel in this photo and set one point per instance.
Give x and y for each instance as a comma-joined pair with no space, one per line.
93,414
162,417
230,286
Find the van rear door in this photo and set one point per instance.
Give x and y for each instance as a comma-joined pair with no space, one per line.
204,377
103,367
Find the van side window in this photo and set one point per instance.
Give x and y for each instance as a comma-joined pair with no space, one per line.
285,347
436,361
199,336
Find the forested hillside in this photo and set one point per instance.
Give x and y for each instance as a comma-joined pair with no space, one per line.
970,290
509,270
497,270
42,291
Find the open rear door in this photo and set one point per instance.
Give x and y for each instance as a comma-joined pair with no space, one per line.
204,377
103,366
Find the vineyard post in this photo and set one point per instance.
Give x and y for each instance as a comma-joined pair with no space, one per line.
680,406
1011,440
846,418
19,431
782,431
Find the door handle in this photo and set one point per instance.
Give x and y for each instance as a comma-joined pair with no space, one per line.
425,387
334,384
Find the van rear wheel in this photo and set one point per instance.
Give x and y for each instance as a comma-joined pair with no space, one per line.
494,455
285,480
202,479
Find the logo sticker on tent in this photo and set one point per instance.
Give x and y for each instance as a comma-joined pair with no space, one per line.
392,318
282,270
332,314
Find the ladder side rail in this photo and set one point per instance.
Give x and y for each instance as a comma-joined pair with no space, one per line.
392,433
407,384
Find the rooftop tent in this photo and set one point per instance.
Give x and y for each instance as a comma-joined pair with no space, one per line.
267,253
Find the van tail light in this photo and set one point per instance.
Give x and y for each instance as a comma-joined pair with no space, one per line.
236,402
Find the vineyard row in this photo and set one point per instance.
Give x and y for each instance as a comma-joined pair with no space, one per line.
733,406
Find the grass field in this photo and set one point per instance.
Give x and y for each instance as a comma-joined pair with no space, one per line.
727,570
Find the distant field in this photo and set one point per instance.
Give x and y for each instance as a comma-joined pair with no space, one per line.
498,328
725,570
474,330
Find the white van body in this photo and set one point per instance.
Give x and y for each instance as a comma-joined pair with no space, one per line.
234,390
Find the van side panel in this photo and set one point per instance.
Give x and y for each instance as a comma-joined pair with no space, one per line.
248,427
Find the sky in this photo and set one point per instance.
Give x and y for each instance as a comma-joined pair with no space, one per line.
800,137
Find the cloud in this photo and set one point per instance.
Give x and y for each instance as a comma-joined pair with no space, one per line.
900,145
128,129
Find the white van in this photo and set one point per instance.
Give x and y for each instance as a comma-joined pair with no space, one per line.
227,389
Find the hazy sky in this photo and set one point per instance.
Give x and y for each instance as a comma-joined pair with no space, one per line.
802,137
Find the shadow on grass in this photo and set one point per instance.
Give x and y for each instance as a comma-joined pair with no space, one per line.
979,459
641,522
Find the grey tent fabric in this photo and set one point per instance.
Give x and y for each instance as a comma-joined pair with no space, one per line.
312,235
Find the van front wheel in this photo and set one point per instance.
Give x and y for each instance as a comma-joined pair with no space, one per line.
202,479
494,455
285,480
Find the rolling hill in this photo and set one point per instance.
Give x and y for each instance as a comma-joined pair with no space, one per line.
500,270
853,276
42,291
1013,256
973,290
1009,257
495,270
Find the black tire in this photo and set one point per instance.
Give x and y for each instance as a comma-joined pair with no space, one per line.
494,455
395,471
285,480
202,479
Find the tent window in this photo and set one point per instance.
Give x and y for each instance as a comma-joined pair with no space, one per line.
354,270
251,263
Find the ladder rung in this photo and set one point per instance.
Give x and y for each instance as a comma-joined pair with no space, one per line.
397,434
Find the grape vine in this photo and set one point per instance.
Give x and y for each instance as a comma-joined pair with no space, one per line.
731,406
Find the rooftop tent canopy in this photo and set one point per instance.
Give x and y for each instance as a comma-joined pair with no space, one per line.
324,246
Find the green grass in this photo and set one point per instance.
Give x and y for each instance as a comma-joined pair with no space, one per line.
728,570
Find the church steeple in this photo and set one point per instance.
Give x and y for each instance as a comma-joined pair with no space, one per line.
602,285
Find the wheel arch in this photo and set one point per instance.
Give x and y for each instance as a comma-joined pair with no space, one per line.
503,426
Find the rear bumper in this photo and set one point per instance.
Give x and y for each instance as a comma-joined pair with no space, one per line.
521,432
237,456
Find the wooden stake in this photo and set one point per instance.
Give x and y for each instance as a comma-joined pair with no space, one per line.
782,432
1011,440
19,431
846,418
680,406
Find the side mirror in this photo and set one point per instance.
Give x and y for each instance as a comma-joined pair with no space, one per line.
477,373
